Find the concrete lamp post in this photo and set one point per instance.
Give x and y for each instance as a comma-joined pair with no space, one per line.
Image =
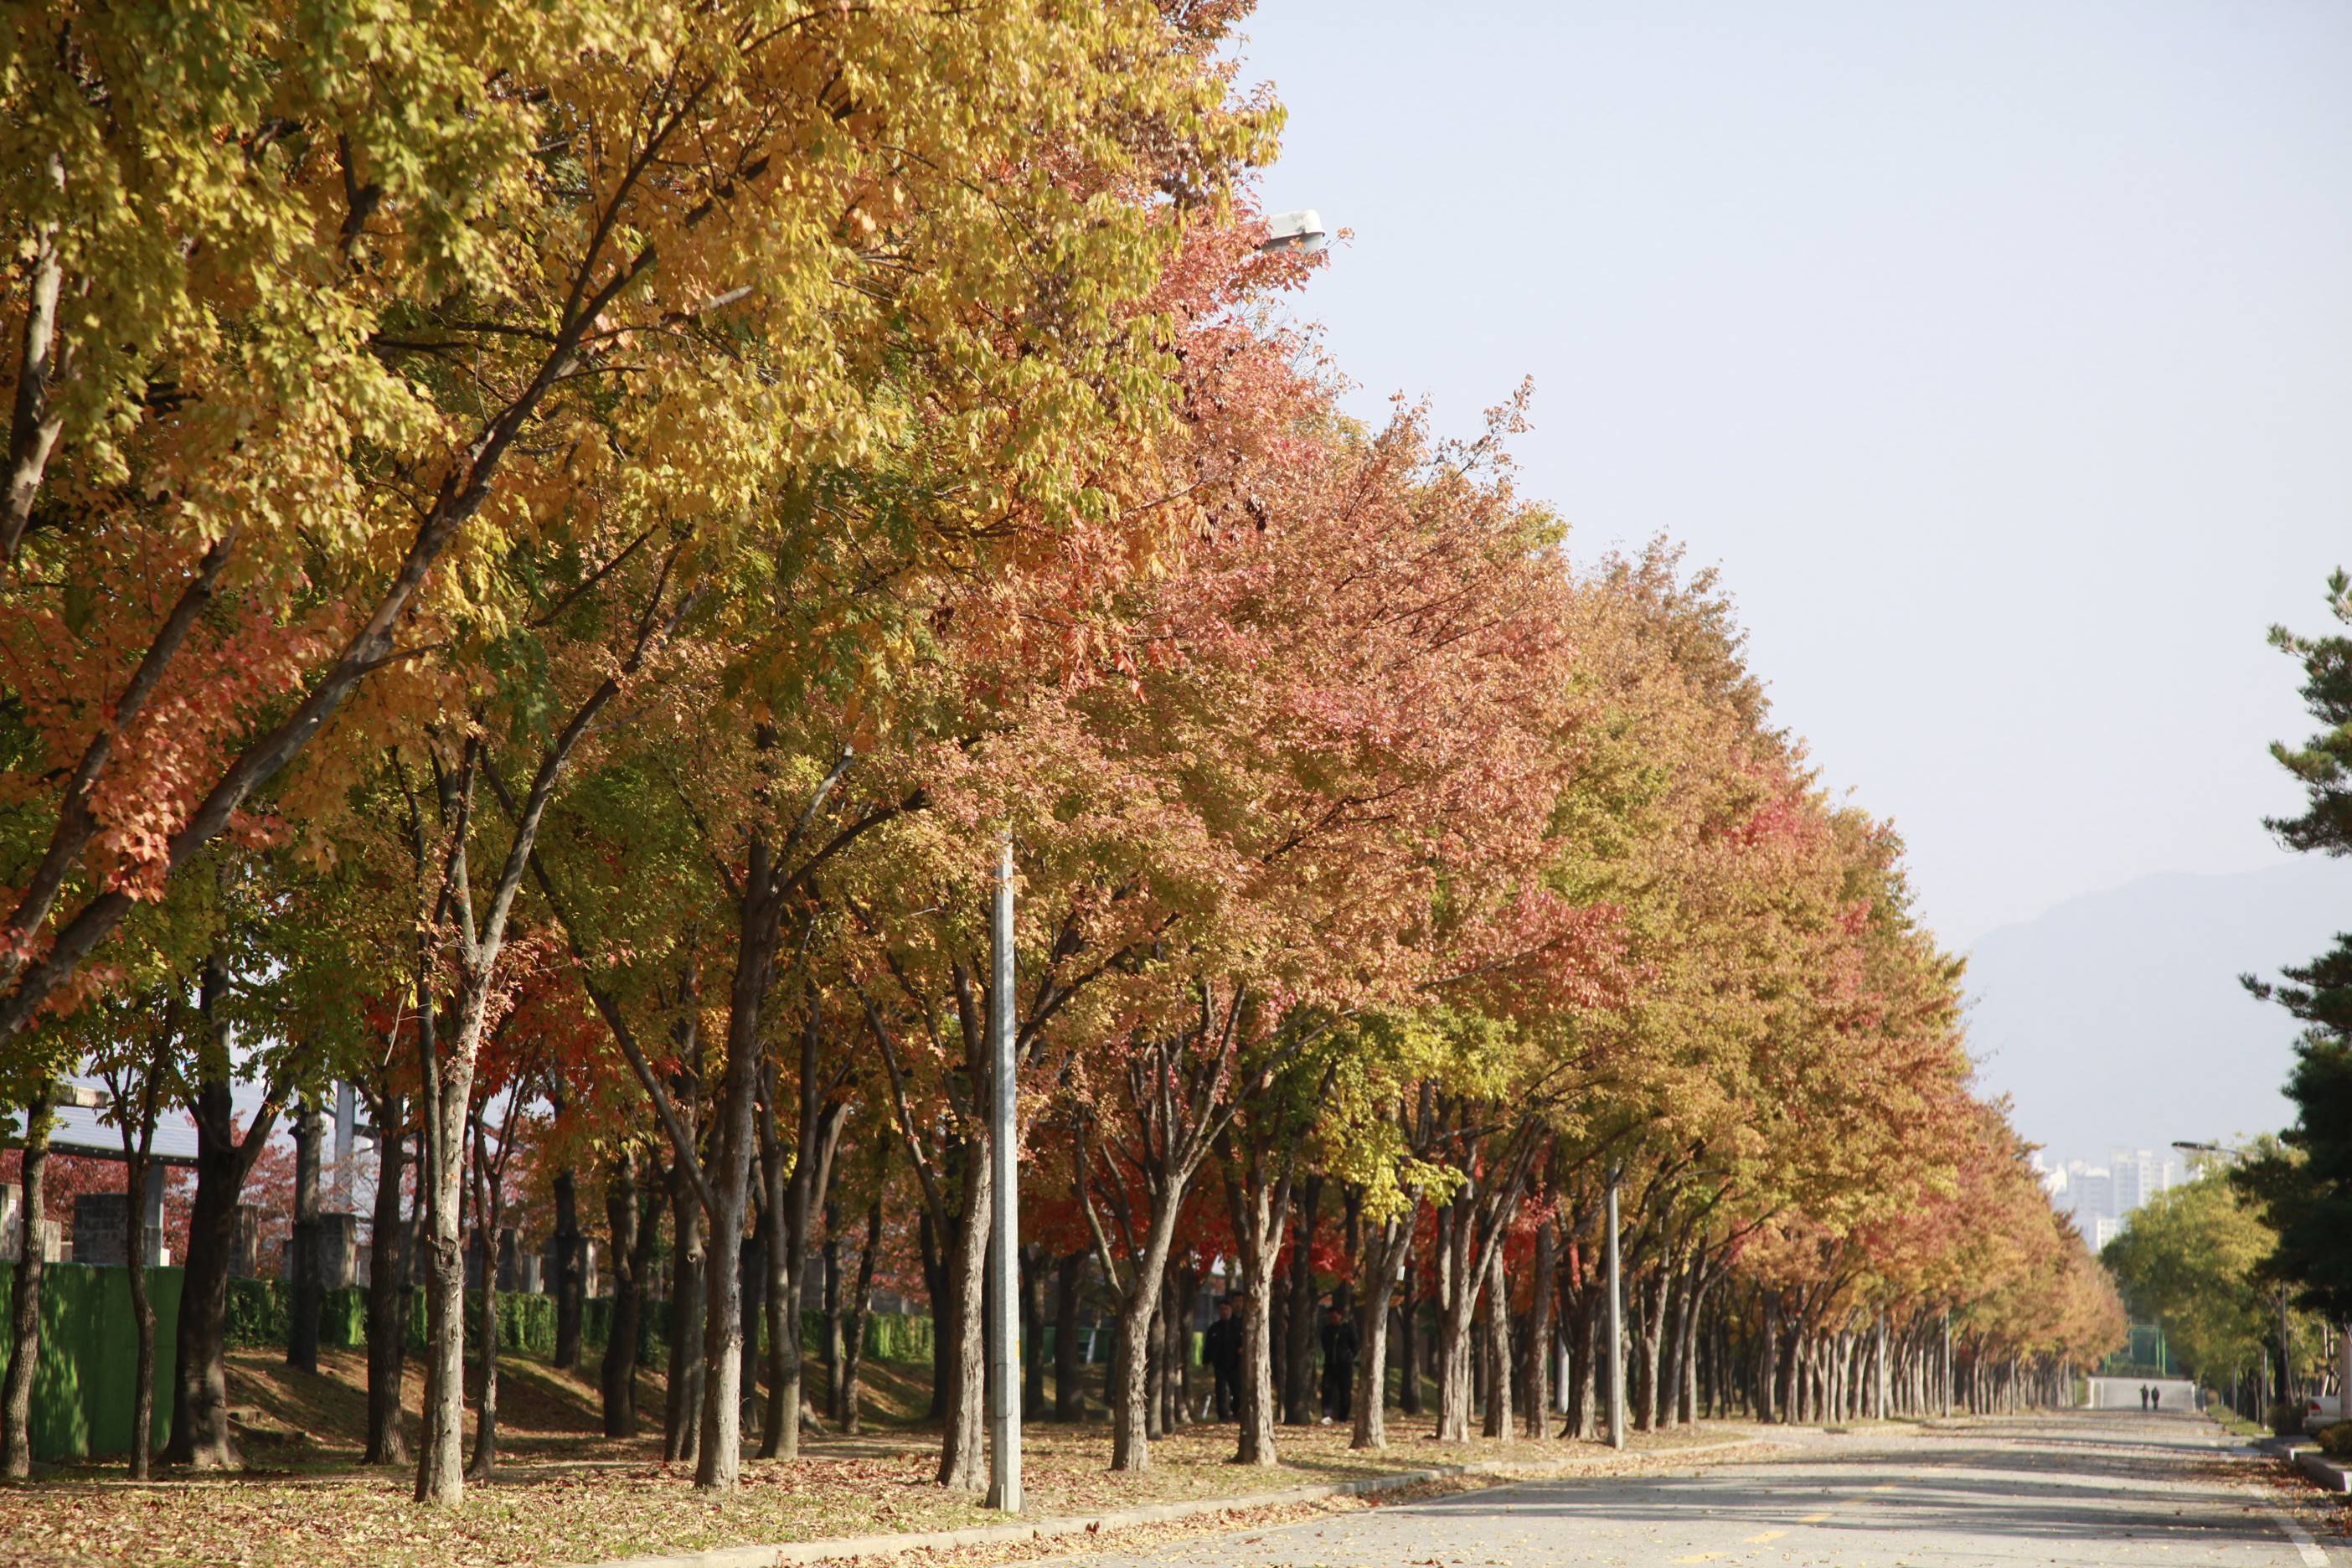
1302,231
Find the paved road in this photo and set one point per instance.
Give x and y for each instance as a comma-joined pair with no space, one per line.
2089,1490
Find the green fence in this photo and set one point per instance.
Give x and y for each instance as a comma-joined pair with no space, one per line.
82,1388
261,1315
2144,1354
260,1312
889,1336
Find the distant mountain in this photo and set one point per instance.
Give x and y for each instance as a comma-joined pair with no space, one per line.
2118,1018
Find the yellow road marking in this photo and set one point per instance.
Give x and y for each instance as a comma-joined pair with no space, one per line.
1771,1535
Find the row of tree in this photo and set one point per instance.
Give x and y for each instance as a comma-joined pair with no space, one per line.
547,551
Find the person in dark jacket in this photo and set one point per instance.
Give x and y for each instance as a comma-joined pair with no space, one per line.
1338,1366
1220,1347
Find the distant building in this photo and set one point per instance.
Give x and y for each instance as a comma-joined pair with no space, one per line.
2093,1191
2140,1175
2100,1198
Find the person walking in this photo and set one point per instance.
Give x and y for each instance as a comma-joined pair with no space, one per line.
1338,1366
1220,1347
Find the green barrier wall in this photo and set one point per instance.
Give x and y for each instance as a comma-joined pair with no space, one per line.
261,1315
81,1391
889,1336
82,1388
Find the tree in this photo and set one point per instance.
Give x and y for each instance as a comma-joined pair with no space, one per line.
140,1079
2190,1259
721,223
2307,1193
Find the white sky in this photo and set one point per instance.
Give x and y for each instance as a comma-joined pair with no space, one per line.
2001,354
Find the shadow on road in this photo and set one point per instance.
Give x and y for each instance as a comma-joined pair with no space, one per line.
2093,1476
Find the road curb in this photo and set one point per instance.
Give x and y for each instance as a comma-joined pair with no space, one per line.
837,1548
2331,1475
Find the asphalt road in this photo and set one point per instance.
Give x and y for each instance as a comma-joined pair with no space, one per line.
2114,1489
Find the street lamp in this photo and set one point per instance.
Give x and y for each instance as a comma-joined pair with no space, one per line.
1003,1307
1301,231
2210,1150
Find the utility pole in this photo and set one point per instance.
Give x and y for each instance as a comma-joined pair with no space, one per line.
1616,1324
1003,1236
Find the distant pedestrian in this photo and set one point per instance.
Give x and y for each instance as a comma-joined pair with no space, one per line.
1338,1366
2143,1398
1220,1347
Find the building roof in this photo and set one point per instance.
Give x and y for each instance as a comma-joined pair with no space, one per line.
82,1129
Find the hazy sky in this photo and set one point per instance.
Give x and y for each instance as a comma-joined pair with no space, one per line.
2001,354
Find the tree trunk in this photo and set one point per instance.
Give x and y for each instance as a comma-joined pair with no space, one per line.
1176,1340
963,1458
829,1346
682,1401
1389,1245
489,1217
1129,1416
571,1281
485,1457
1584,1387
1298,1400
1454,1385
1541,1337
1155,1376
1033,1332
1254,1444
936,1285
440,1473
1442,1293
617,1379
1130,1413
794,1201
387,1300
727,1179
136,1166
1258,1191
719,1464
1409,1339
1682,1388
200,1424
24,1291
787,1214
1653,1297
1499,1349
861,1310
304,1299
1069,1275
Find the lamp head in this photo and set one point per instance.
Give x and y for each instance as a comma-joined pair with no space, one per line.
1302,231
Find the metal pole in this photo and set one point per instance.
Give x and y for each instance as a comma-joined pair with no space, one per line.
346,1130
1616,1325
1003,1232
